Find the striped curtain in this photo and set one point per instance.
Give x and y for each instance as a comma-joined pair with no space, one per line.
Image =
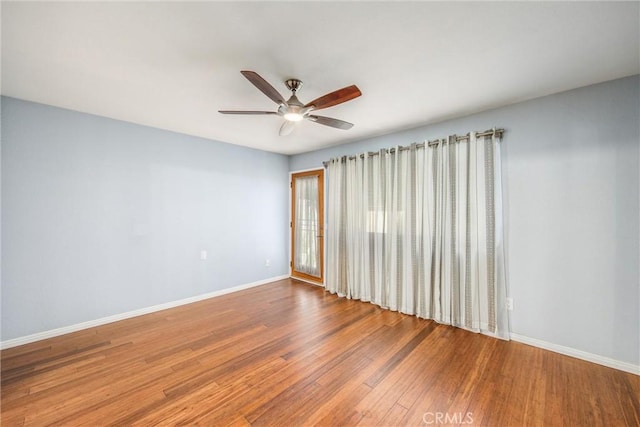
419,230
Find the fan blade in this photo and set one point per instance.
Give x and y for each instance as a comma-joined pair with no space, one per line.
334,123
286,128
334,98
246,112
264,86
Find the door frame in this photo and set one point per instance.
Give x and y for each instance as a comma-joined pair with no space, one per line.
302,276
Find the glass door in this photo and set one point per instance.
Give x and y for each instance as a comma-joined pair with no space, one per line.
307,218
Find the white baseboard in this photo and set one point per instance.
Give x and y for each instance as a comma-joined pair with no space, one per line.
578,354
568,351
116,317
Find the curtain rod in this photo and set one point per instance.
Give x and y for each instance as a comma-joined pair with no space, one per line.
496,132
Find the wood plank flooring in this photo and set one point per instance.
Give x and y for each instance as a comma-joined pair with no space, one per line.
289,354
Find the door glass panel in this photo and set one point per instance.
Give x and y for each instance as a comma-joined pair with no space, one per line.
307,233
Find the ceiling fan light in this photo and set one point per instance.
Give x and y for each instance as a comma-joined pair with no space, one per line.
293,117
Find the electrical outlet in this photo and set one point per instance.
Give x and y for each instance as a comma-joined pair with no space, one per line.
267,263
510,304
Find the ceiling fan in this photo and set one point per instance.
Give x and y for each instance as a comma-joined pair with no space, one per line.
293,110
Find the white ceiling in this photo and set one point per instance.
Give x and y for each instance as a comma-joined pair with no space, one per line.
173,65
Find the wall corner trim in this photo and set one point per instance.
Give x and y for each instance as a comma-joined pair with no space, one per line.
578,354
116,317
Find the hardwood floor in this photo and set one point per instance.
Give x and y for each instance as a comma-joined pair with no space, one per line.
288,353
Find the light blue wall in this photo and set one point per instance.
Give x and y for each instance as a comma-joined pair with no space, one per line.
101,217
571,181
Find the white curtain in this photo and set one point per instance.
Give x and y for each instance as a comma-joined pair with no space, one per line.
306,258
419,231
